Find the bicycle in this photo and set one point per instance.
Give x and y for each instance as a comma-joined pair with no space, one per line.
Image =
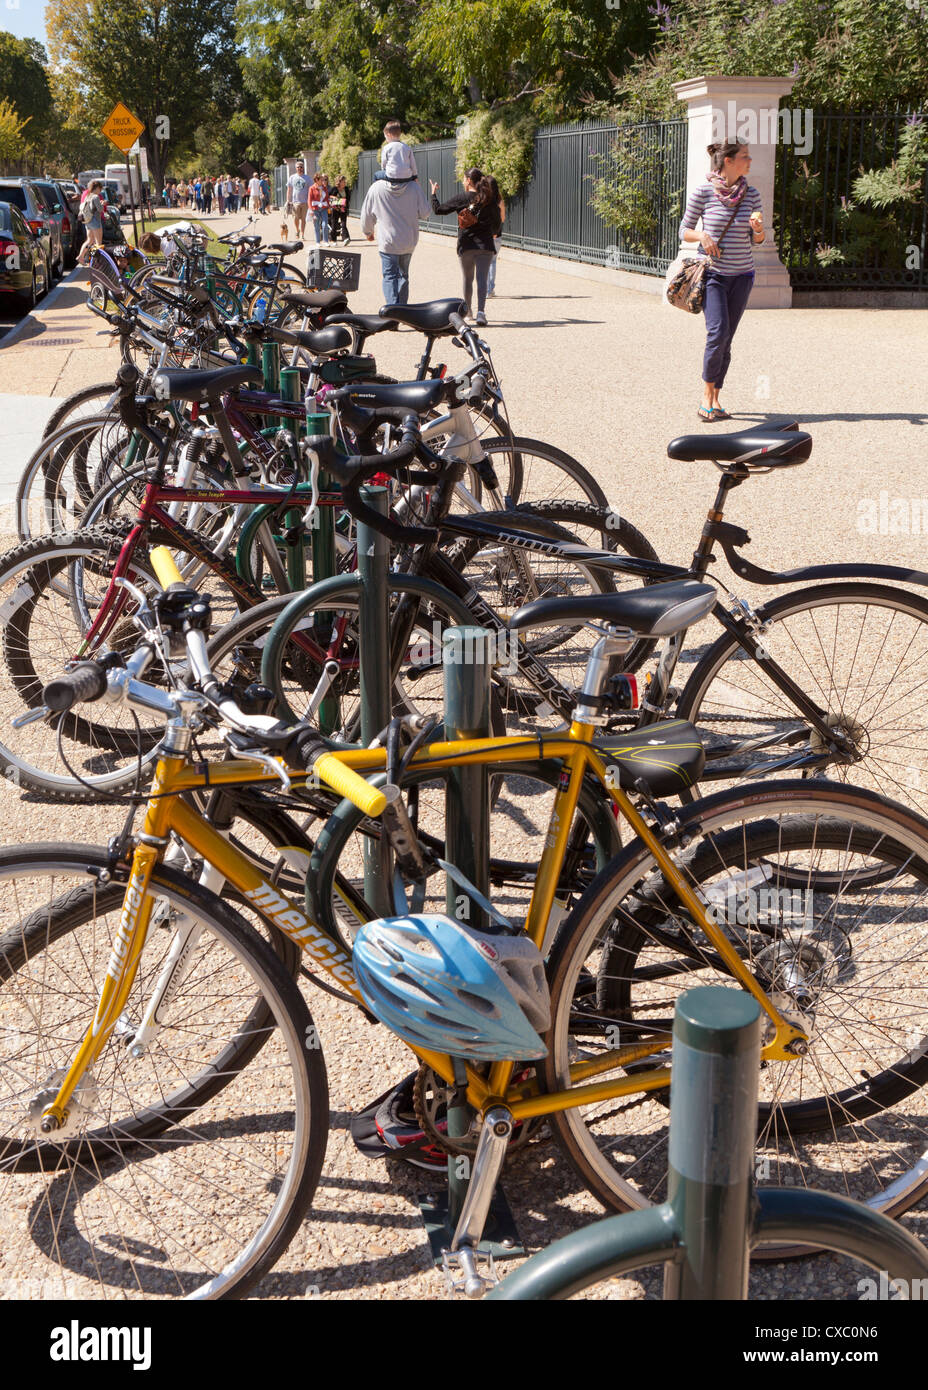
668,894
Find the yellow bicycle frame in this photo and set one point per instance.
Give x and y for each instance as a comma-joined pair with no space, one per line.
167,812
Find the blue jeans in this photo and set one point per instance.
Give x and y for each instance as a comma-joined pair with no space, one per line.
726,300
321,224
395,272
491,278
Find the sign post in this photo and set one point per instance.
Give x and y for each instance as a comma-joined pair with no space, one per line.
122,129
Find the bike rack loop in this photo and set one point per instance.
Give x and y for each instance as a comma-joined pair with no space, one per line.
713,1216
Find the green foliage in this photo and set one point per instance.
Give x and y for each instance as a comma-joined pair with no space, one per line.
558,53
166,59
866,53
24,84
500,143
11,130
876,223
339,156
631,190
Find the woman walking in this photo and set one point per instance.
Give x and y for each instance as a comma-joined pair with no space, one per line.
479,221
91,214
338,208
319,207
732,224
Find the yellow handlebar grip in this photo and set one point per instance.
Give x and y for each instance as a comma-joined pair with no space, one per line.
347,783
162,562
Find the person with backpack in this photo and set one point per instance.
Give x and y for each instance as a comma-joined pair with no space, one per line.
479,222
91,214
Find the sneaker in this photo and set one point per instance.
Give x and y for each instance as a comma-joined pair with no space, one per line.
481,319
491,294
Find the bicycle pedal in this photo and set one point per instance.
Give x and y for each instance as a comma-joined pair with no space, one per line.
462,1272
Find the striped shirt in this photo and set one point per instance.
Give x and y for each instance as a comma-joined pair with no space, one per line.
737,248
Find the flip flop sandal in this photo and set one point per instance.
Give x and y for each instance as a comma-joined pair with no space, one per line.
721,414
706,413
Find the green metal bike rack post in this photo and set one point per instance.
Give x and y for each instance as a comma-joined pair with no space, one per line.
374,645
270,365
467,660
713,1217
466,663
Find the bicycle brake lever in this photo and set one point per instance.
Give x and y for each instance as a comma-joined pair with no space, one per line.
265,759
144,616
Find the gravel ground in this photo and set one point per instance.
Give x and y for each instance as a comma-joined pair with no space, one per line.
610,376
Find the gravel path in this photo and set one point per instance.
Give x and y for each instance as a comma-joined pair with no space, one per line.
610,376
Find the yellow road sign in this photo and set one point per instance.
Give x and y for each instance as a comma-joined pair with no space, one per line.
122,127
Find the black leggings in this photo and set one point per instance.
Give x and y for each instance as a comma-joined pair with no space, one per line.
475,262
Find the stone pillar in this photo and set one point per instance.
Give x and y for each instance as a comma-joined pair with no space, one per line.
743,108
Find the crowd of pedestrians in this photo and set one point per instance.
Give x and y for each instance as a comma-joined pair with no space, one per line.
224,193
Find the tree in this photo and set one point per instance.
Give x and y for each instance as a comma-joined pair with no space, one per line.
163,58
11,131
867,53
561,53
24,84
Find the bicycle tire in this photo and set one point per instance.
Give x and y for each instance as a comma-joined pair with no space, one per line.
595,527
334,884
103,394
882,701
183,1165
48,587
523,480
599,943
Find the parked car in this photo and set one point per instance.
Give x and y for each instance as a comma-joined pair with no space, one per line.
58,211
23,267
21,194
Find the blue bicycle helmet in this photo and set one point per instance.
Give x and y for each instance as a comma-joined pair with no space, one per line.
440,985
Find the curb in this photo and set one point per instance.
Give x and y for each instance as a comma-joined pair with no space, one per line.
47,302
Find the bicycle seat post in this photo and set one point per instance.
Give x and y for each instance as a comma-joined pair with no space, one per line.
616,641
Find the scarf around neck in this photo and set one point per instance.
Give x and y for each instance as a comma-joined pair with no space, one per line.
729,195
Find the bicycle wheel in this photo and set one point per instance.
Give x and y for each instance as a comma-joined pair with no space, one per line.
50,592
90,400
843,958
501,576
594,527
860,652
531,471
60,478
521,796
181,1171
291,660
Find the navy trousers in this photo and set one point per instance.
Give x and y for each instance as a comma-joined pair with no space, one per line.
726,300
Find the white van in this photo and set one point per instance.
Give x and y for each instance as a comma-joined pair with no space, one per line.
87,175
120,174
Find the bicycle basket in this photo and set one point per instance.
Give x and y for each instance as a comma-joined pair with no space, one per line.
332,270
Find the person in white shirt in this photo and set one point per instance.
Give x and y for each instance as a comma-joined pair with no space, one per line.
298,196
397,159
254,192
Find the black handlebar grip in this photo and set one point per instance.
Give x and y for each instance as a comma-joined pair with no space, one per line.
86,682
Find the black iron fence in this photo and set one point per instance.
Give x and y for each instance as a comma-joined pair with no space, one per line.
830,239
553,214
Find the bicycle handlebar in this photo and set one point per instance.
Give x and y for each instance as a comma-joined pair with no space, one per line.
86,682
351,472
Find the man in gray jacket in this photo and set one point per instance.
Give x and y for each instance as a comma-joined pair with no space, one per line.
394,209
